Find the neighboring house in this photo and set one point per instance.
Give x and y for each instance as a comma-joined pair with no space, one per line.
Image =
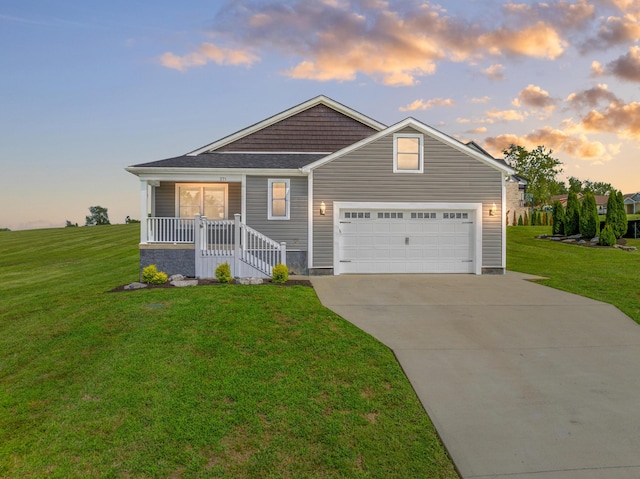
327,190
601,201
516,189
632,203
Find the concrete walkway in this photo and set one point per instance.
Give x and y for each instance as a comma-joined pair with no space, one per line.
521,381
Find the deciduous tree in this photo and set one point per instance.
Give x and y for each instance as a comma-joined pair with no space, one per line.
538,167
98,216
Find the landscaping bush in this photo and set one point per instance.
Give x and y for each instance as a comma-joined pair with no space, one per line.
557,218
280,273
223,273
151,275
621,219
526,219
572,215
520,222
515,221
607,236
589,221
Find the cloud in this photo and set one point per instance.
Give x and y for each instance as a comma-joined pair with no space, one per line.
484,99
505,115
535,97
626,67
620,118
425,105
592,97
614,31
395,43
563,14
596,69
480,129
494,72
540,40
577,146
208,52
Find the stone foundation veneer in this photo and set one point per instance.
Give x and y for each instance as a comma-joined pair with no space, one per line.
181,259
172,259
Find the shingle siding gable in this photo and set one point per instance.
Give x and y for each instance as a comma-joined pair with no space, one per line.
317,129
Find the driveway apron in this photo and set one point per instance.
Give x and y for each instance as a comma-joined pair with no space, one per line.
521,381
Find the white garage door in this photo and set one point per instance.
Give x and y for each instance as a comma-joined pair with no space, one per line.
406,241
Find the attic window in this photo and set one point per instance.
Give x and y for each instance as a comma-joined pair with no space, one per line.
407,153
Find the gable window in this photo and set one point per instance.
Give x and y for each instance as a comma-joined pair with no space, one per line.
278,199
407,153
208,200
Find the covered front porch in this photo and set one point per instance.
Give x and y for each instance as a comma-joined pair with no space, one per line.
192,227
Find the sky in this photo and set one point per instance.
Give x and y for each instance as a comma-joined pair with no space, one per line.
89,88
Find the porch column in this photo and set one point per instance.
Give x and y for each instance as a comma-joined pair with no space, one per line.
144,208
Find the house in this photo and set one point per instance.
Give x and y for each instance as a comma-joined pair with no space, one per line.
326,190
632,203
601,201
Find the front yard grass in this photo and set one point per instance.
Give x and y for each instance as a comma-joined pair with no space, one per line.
605,274
213,381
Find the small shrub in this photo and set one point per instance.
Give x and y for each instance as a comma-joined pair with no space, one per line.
151,275
515,221
526,219
280,273
520,222
607,236
223,273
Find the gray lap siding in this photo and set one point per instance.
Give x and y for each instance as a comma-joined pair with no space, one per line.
366,175
294,230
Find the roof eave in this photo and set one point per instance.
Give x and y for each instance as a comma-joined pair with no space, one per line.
207,174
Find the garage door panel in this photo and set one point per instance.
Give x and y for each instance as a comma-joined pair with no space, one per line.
406,242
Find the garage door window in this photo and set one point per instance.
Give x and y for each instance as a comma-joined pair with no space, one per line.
407,153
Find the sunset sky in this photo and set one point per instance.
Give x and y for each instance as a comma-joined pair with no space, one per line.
88,88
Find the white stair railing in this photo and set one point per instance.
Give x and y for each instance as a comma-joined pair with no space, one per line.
256,249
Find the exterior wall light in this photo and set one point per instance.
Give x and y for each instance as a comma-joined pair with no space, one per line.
323,208
492,210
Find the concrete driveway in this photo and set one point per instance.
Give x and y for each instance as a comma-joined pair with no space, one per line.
520,380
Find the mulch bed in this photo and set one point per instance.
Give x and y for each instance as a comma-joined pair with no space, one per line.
214,282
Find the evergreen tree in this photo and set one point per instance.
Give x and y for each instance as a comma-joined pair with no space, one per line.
557,217
526,219
621,217
589,222
520,222
572,215
515,221
533,218
607,236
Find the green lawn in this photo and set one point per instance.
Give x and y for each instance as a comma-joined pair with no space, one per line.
214,381
605,274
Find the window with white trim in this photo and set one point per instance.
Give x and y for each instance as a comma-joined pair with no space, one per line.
279,202
408,153
210,200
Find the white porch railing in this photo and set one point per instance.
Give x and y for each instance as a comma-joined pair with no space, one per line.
249,252
170,230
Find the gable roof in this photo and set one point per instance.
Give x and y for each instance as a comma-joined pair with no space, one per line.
427,130
315,107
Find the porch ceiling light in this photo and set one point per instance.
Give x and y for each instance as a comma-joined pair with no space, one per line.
323,208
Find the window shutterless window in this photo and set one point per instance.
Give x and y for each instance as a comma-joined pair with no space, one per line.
208,200
279,202
408,153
